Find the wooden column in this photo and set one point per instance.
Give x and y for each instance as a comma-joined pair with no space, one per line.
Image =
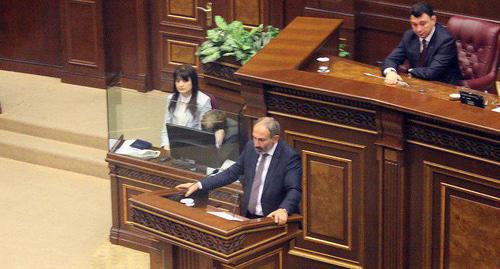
392,198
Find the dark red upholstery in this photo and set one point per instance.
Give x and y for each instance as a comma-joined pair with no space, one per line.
478,44
213,101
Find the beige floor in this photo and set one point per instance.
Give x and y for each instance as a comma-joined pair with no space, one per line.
52,218
61,105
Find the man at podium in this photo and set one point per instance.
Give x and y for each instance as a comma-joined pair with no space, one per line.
272,175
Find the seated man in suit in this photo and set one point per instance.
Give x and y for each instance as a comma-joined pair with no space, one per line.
226,132
272,175
225,129
429,48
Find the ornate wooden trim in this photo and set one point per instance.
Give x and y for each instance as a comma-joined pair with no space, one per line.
325,258
186,233
330,109
321,97
149,178
222,71
453,140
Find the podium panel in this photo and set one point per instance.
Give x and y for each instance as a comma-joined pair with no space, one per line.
218,236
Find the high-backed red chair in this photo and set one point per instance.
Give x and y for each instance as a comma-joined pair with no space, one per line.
213,101
478,44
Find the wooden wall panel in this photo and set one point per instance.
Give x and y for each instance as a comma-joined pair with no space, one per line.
453,193
31,37
462,221
82,40
462,211
177,29
338,9
127,43
185,9
84,44
250,12
179,52
331,230
321,175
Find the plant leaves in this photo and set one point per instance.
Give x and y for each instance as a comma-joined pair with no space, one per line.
221,23
211,58
232,39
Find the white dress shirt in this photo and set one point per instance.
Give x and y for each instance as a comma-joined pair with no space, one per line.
182,115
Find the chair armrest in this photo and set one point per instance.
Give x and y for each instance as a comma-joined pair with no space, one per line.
484,83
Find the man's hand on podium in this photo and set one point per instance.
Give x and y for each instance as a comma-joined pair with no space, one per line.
392,77
165,152
189,187
279,215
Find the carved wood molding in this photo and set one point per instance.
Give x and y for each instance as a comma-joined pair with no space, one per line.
149,178
316,106
392,218
186,233
220,71
218,195
453,140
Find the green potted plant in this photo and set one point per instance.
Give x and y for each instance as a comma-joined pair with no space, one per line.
228,46
234,40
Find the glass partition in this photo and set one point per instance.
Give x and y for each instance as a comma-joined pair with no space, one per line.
151,127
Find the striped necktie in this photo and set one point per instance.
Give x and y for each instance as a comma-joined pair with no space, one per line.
257,181
423,54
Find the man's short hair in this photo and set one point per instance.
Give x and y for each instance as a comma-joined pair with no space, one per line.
421,8
272,125
213,120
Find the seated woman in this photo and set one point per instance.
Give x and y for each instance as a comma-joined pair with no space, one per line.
186,104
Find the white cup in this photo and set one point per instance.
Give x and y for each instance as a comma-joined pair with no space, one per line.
323,64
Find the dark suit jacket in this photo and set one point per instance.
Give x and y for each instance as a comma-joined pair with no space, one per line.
282,188
441,63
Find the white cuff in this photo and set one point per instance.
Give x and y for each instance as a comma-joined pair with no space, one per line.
388,69
199,185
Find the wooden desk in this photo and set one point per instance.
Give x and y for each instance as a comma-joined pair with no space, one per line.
393,177
131,176
191,237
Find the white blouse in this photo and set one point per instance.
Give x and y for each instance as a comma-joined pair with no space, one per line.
182,115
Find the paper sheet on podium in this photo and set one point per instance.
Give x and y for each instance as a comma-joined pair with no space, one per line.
225,215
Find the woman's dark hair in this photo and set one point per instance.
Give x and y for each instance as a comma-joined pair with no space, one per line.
185,72
421,8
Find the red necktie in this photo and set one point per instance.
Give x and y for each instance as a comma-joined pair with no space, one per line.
423,54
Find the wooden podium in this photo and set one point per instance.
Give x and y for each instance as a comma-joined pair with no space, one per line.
193,237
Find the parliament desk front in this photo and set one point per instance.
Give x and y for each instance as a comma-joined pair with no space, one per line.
393,177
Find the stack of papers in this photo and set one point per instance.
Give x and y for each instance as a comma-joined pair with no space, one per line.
126,149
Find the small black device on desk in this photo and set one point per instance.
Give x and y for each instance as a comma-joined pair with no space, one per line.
141,144
471,99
